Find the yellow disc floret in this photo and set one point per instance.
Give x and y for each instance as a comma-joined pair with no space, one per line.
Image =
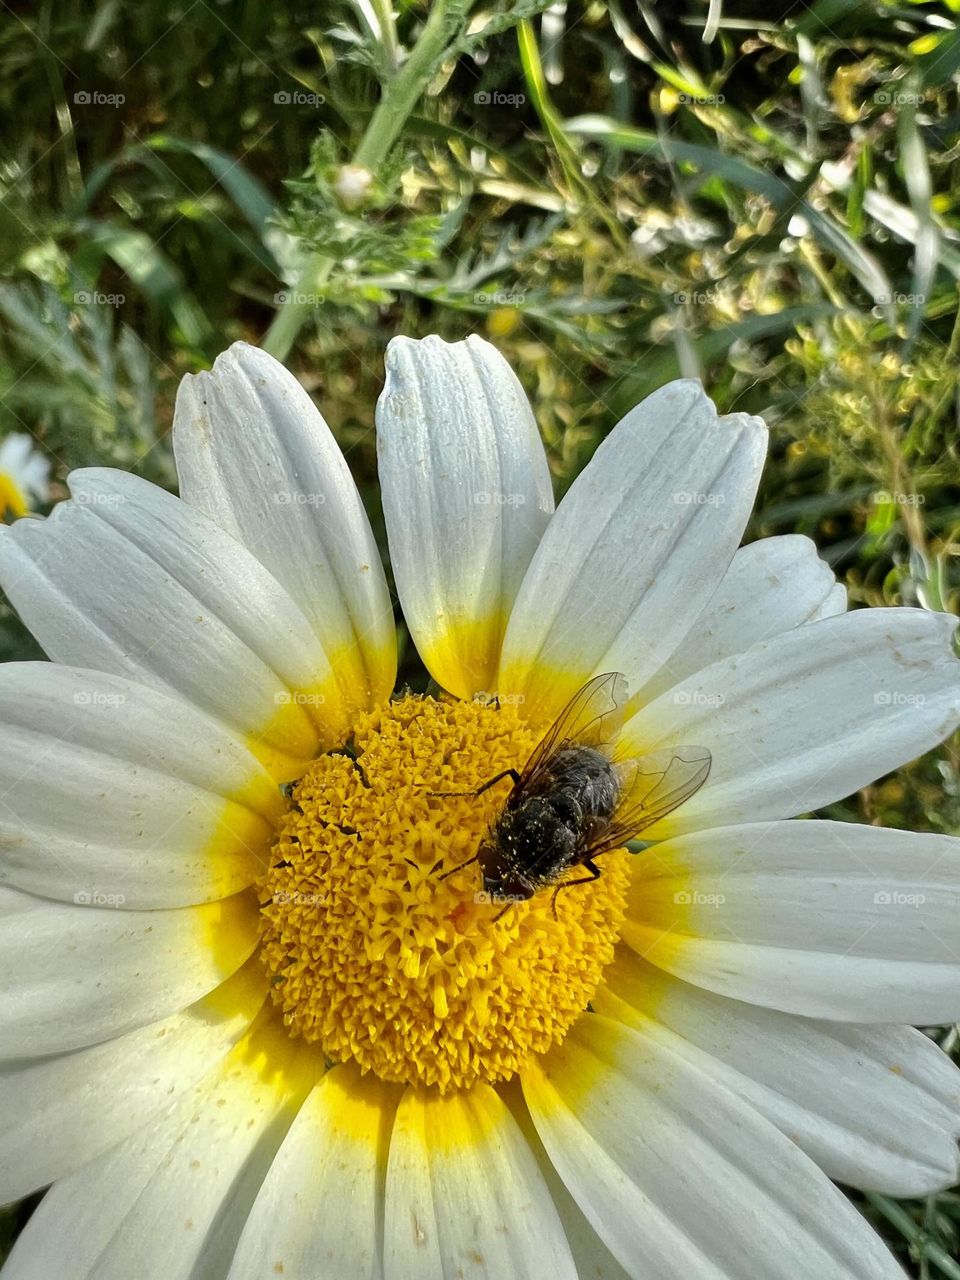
377,955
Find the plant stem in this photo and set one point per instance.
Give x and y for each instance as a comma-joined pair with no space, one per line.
291,317
917,1238
400,96
403,92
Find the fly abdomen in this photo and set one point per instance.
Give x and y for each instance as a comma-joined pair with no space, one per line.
584,781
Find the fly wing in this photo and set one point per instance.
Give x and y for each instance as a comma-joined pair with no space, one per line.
592,718
651,788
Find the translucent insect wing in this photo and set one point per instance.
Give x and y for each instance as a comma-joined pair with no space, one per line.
652,787
592,718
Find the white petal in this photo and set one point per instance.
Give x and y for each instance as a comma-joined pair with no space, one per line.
61,1112
825,919
108,787
255,456
679,1176
170,1202
636,548
73,975
334,1157
592,1258
465,1196
875,1107
128,579
26,466
466,497
808,717
772,585
835,602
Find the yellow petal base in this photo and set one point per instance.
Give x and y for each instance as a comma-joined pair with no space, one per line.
378,959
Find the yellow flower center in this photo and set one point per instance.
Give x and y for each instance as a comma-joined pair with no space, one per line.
377,955
12,500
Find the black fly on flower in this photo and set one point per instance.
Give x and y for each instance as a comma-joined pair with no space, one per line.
574,800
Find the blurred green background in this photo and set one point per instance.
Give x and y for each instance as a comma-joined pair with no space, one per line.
763,195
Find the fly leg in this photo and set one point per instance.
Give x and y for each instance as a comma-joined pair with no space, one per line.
478,791
458,867
568,884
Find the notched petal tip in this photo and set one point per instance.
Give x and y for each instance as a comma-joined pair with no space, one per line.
401,349
691,396
239,360
398,349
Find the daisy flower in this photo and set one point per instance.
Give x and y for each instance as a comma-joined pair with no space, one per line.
259,1017
24,476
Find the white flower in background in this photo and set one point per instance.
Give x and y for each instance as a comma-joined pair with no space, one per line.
24,476
248,1035
352,184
